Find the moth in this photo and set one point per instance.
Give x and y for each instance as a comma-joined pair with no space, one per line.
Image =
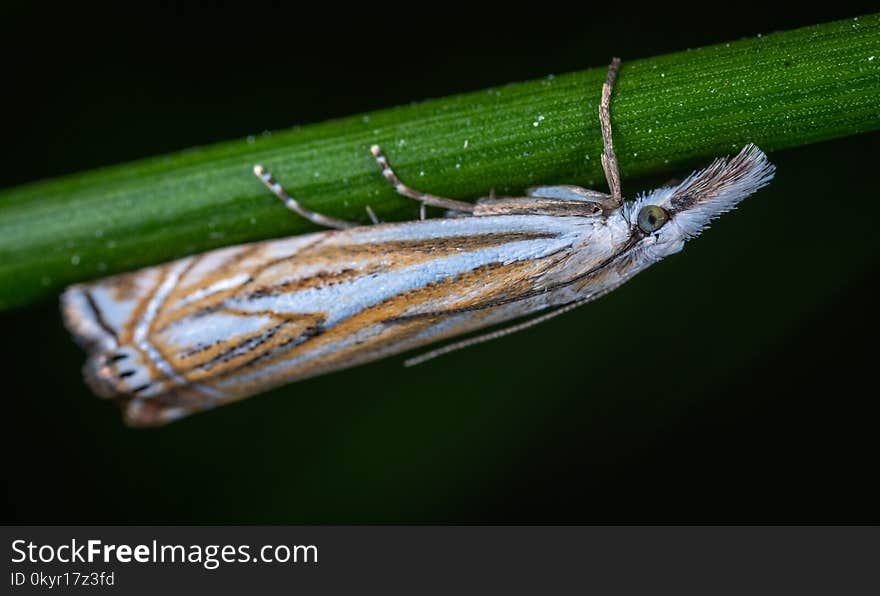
209,329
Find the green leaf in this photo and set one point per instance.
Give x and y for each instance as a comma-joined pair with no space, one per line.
780,90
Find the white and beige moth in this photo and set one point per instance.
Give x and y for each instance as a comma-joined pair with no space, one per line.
186,336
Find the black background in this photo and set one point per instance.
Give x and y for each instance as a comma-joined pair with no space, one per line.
755,399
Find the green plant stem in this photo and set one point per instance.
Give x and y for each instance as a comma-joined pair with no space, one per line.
780,90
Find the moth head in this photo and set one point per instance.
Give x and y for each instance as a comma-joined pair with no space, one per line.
665,218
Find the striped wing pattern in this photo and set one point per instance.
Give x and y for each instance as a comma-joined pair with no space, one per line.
208,329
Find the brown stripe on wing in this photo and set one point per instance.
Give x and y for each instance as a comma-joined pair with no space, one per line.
388,255
279,276
218,359
122,287
524,288
289,335
396,254
279,348
126,333
172,314
99,314
250,290
220,271
195,355
466,289
321,279
606,269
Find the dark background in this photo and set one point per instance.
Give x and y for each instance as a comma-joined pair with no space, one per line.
735,382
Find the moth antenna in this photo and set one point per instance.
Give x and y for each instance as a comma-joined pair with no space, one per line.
609,159
317,218
466,343
406,191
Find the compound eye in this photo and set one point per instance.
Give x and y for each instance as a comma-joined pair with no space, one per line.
652,218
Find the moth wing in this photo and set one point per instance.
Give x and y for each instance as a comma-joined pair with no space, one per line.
227,324
97,313
100,314
112,317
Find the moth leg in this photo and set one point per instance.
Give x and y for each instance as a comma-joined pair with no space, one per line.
292,204
609,160
372,215
422,197
472,341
